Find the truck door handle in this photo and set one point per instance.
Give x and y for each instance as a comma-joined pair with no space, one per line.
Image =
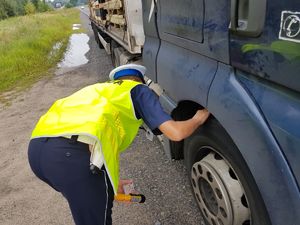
248,17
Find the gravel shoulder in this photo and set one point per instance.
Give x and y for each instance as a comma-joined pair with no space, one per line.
24,199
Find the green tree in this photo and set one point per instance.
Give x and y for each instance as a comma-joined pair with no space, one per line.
73,2
68,5
10,8
7,8
20,7
3,14
43,7
36,3
29,8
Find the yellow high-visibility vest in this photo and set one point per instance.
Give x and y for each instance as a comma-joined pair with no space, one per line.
103,111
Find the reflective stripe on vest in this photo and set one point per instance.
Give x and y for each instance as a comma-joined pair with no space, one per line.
103,111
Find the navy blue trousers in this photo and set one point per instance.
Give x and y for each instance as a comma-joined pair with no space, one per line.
64,164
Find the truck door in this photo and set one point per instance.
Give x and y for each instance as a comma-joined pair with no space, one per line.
194,37
265,40
152,41
265,51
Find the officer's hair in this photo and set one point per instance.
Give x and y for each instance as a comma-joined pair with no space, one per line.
135,78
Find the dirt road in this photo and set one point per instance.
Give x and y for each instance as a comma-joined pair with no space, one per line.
25,200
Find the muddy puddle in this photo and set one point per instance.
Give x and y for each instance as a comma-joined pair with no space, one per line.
75,54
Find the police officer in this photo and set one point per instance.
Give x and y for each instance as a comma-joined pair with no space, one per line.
75,146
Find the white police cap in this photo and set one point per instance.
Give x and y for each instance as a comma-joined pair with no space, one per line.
128,70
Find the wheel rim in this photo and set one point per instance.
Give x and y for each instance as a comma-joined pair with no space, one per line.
218,192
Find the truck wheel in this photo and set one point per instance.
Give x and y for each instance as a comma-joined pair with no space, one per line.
222,184
114,60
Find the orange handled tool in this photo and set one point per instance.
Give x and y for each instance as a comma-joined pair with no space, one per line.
134,198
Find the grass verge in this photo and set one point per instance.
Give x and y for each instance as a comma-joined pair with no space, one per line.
31,45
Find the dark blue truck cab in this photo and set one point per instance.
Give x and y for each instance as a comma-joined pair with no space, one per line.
240,59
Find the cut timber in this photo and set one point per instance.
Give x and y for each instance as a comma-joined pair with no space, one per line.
100,21
117,19
97,5
113,4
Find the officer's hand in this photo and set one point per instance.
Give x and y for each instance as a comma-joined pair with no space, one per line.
179,130
202,115
125,186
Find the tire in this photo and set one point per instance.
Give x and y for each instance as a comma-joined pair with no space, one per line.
114,60
222,184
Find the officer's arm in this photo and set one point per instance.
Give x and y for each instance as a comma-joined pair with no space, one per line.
178,130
